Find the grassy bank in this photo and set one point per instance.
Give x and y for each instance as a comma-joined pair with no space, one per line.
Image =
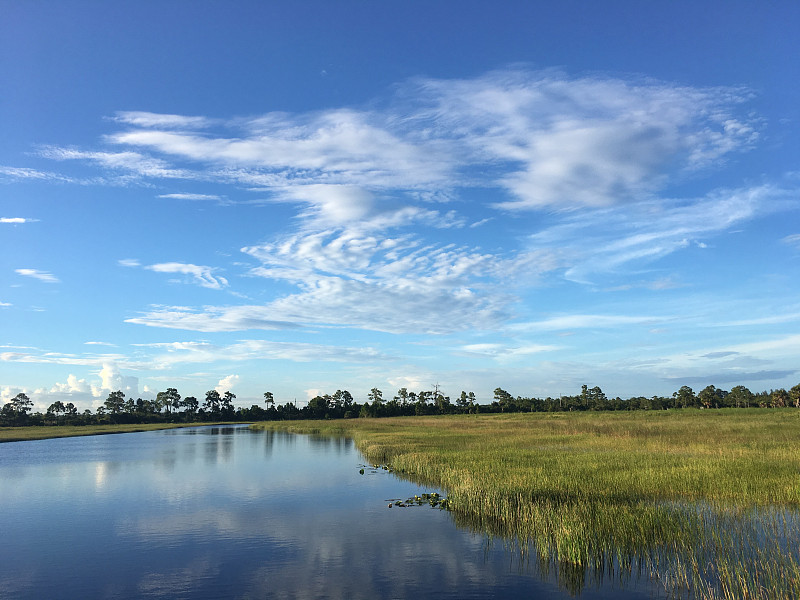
705,499
21,434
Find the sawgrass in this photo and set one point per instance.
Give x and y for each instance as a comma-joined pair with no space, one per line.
705,501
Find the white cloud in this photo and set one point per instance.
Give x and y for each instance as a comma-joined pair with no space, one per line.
5,304
111,379
16,220
606,240
584,321
173,353
211,319
40,275
568,142
191,196
24,173
342,145
226,383
506,352
201,275
73,385
148,119
792,240
134,162
33,355
547,139
129,262
345,279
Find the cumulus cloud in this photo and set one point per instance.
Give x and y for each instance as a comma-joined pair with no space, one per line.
199,274
226,383
40,275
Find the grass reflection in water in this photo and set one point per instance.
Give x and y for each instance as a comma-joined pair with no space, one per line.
703,501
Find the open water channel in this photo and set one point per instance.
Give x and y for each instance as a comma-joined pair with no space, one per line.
227,512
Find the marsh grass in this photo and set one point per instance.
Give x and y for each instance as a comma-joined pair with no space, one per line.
704,501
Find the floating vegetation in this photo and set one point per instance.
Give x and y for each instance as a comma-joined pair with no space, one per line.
433,498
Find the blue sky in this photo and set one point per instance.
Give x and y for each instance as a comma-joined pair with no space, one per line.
309,196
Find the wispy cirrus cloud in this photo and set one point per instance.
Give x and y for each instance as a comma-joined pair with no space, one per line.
186,196
792,240
164,355
347,279
593,153
198,274
602,241
36,274
586,321
134,163
16,220
25,173
149,119
543,137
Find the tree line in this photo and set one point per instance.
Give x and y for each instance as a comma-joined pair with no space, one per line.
170,406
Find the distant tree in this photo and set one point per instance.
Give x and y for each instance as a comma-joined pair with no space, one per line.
794,395
740,397
16,411
269,400
212,401
190,405
375,396
503,399
115,402
684,397
226,405
317,407
169,399
402,396
780,398
55,409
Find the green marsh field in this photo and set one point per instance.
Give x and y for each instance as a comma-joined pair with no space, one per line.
706,501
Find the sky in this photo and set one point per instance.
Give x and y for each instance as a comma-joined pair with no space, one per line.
305,196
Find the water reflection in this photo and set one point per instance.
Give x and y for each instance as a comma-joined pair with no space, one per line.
227,512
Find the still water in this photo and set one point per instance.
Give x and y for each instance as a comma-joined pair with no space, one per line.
226,512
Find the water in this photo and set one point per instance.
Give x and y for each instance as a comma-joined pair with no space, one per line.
226,512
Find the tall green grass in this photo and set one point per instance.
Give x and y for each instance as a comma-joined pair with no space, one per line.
705,501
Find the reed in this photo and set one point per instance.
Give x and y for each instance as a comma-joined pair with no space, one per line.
703,500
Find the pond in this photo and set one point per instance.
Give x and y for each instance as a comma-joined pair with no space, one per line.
228,512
